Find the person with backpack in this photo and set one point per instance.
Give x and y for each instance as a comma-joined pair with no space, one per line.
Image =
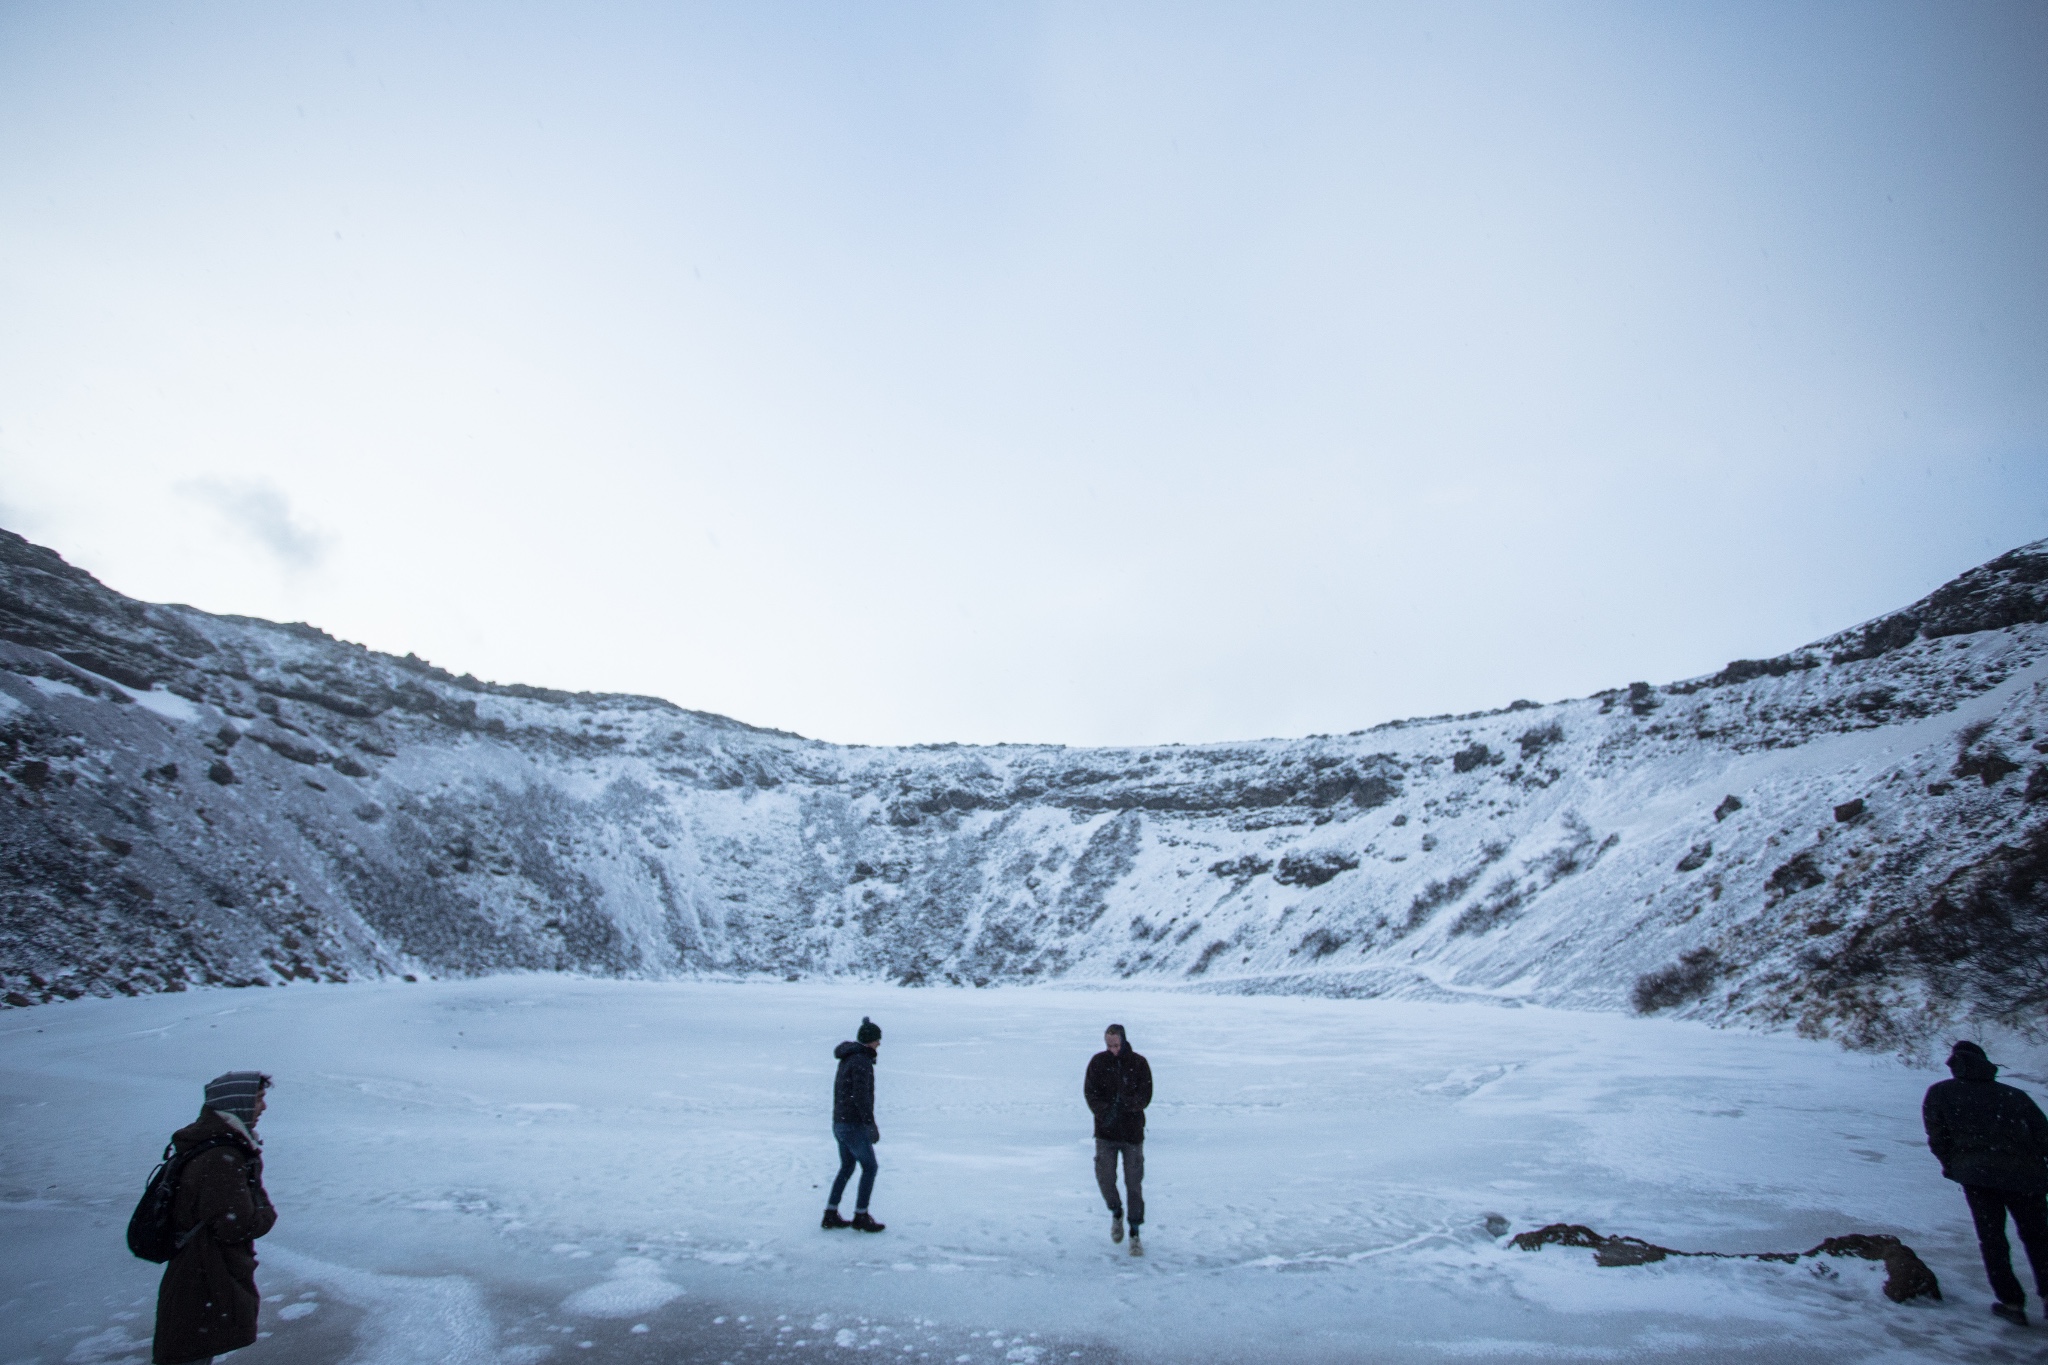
1118,1087
216,1210
853,1125
1992,1139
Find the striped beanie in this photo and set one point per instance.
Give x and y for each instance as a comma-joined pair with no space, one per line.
235,1092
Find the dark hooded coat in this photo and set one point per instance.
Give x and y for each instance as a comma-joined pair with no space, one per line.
1118,1086
853,1089
207,1302
1984,1132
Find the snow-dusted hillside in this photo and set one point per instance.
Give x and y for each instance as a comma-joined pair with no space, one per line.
1849,837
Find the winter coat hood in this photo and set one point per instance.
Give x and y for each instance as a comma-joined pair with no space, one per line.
848,1048
1967,1062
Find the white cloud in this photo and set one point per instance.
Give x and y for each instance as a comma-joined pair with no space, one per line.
259,512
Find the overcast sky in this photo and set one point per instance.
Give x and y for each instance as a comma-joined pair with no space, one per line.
1099,373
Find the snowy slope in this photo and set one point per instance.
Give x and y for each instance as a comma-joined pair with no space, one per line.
194,798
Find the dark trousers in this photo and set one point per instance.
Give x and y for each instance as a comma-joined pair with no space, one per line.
854,1147
1134,1175
2029,1219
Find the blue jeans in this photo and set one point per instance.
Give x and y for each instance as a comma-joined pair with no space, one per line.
854,1147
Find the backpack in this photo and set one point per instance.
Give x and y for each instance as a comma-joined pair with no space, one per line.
150,1234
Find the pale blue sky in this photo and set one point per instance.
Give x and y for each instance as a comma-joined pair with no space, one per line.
1096,373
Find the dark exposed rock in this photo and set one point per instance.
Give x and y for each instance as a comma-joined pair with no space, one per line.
1743,670
1906,1275
1473,755
285,747
1729,805
1696,857
2008,591
1798,873
1989,765
1850,811
1313,868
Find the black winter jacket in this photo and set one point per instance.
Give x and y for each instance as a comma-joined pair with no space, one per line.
1985,1132
207,1302
1118,1087
853,1089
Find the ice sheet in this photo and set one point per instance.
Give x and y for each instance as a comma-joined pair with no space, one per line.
503,1169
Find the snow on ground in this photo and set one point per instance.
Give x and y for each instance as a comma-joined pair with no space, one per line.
527,1168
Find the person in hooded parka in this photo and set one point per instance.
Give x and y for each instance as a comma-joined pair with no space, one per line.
1992,1139
208,1300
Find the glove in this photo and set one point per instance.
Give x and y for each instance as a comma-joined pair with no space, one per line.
874,1133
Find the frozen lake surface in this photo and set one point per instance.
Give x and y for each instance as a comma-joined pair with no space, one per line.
528,1168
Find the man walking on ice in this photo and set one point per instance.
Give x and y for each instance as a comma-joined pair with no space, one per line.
1118,1087
853,1124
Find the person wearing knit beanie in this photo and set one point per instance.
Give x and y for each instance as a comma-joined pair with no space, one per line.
238,1095
853,1126
208,1303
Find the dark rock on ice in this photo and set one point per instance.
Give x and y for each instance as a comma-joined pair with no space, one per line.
1906,1275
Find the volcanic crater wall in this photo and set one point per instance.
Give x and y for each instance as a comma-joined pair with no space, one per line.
1851,838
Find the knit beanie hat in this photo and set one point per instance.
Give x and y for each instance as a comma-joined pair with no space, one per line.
870,1031
235,1092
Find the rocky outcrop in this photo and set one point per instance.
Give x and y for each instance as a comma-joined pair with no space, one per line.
1906,1275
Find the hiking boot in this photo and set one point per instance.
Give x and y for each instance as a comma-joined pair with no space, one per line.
833,1220
1137,1247
1116,1227
862,1223
2011,1312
